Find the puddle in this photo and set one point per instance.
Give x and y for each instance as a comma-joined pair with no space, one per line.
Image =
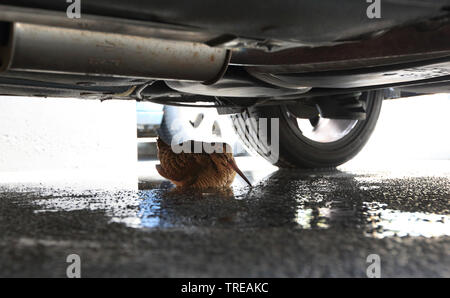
120,206
378,221
383,222
285,200
313,219
145,209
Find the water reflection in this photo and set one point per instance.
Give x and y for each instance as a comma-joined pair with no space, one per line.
313,218
315,201
380,221
375,219
374,206
383,222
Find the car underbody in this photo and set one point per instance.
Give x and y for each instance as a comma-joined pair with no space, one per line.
228,53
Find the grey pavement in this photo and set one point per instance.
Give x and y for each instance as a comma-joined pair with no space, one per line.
290,224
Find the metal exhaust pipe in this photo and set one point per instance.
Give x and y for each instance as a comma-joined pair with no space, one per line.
40,48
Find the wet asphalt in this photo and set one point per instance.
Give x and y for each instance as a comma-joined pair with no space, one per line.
292,223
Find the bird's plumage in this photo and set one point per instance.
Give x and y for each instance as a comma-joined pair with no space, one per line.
197,170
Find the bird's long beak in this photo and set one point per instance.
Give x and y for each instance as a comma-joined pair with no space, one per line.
234,166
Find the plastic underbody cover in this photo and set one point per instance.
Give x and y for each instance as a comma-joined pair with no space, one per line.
304,21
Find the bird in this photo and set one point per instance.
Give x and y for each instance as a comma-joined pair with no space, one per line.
197,169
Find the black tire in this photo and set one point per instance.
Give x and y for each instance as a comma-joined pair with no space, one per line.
297,151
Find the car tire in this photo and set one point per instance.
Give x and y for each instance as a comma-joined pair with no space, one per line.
298,151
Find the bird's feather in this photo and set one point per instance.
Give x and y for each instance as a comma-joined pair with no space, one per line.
196,170
180,168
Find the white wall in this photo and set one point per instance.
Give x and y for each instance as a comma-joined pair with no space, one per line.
66,134
411,129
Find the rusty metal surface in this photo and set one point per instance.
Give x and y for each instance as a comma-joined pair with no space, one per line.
103,24
38,48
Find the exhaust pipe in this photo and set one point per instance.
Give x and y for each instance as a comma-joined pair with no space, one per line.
40,48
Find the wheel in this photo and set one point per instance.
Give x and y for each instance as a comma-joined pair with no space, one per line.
308,143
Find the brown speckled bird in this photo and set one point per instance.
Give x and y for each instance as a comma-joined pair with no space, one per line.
197,170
